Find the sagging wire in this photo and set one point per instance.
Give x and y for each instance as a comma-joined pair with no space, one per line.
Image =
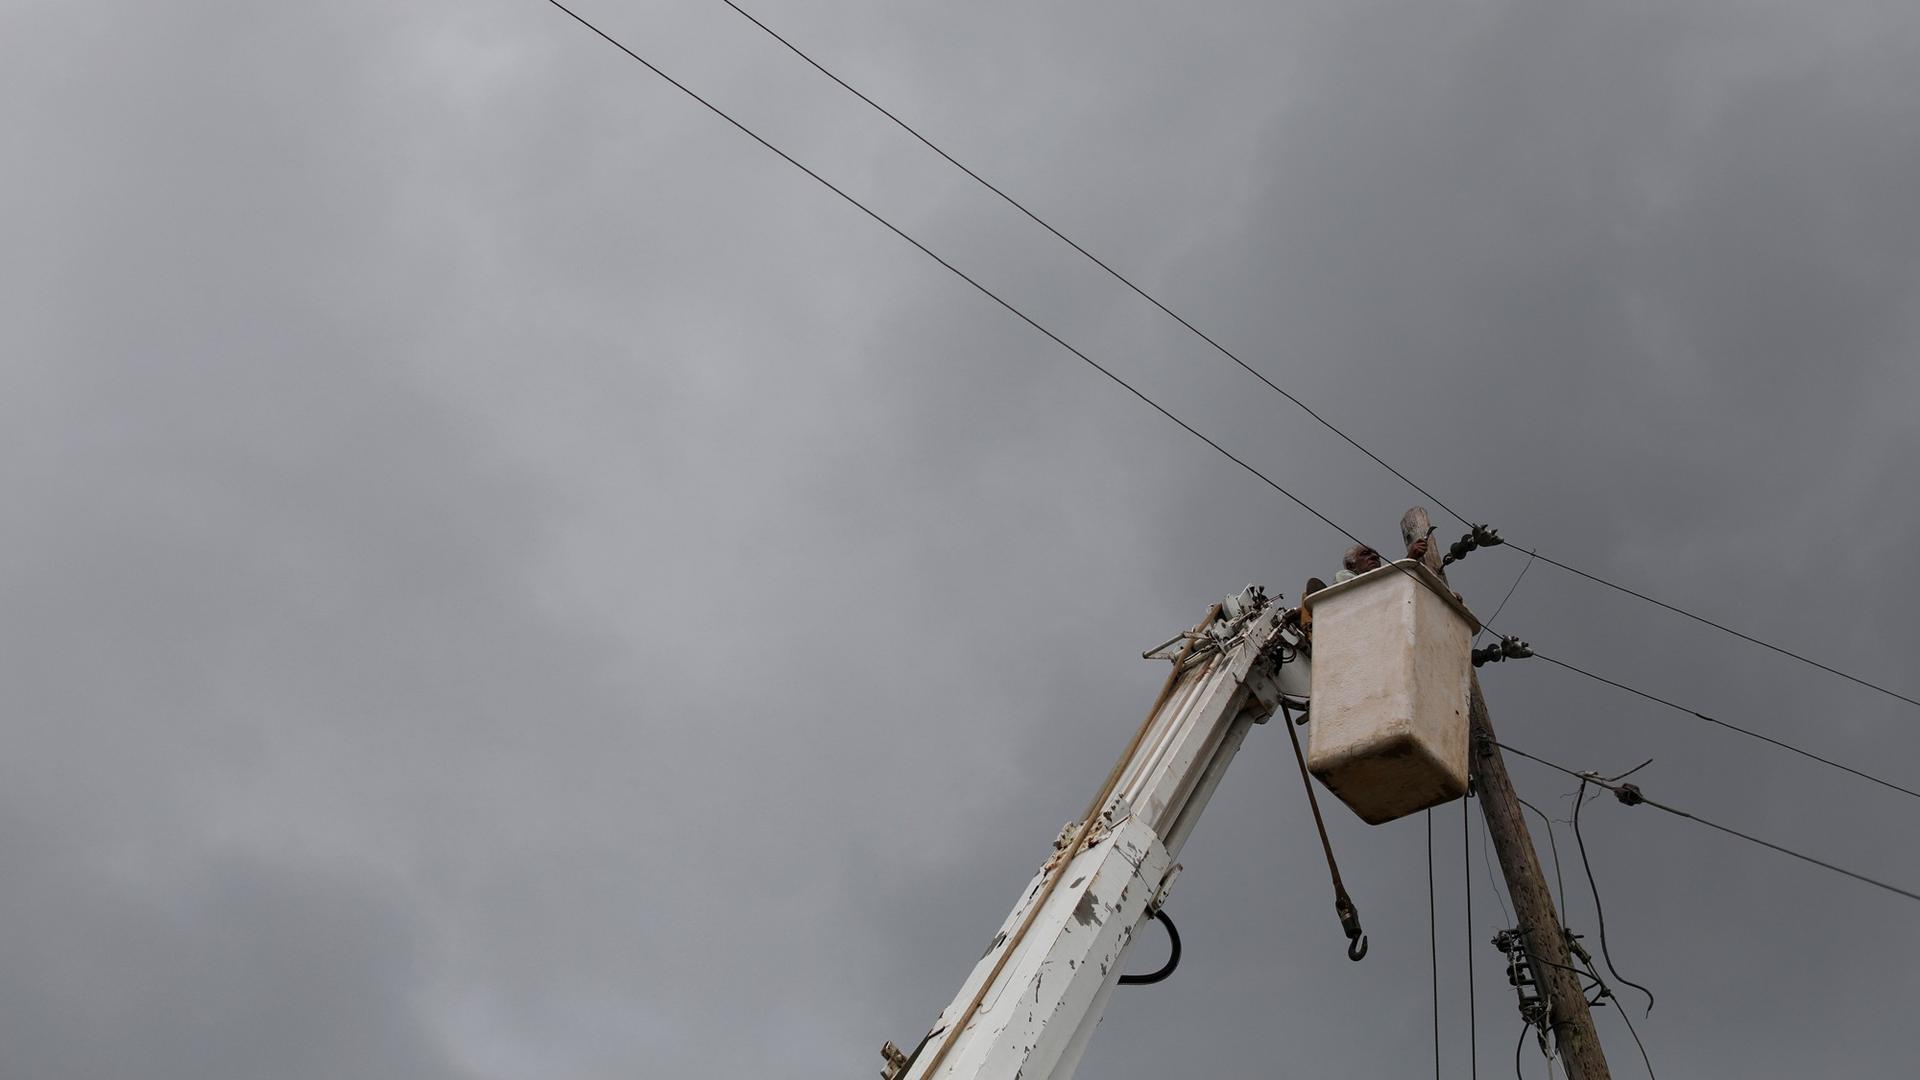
1606,994
1599,913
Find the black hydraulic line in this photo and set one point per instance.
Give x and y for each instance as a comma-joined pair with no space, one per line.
1173,957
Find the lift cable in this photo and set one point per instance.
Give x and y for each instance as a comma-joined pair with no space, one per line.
1342,904
1631,795
1249,368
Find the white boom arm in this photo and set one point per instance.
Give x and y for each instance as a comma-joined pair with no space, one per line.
1035,1019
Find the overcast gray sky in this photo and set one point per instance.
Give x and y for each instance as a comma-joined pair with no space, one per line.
505,578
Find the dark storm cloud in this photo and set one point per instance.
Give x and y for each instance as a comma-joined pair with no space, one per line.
215,967
507,578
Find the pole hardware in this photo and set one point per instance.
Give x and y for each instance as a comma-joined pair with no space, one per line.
1507,648
1481,536
1522,977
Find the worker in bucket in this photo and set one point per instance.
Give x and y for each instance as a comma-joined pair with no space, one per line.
1360,558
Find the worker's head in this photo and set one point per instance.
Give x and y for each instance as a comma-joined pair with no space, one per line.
1360,558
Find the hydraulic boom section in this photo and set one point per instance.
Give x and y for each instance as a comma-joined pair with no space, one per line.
1031,1003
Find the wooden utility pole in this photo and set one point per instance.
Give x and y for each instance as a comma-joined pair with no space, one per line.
1553,970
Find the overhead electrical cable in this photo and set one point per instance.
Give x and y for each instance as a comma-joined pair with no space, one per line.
1600,912
1554,846
1630,794
1502,606
1090,256
1249,368
1810,755
1433,945
1466,874
962,275
1725,629
1088,360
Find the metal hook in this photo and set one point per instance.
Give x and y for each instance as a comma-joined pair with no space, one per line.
1350,922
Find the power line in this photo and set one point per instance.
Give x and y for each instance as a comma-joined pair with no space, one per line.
1255,372
1107,372
1433,945
1726,629
1606,994
1503,600
1554,846
961,274
1599,912
1493,884
1632,796
1091,257
1466,873
1808,754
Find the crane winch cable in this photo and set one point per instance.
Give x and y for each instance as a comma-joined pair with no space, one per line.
1342,904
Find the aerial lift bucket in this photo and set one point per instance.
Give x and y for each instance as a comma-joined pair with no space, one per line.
1392,655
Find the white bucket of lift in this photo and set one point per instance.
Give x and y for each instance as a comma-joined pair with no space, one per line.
1392,653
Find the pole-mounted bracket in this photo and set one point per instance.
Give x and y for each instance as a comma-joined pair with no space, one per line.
1481,536
1507,648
